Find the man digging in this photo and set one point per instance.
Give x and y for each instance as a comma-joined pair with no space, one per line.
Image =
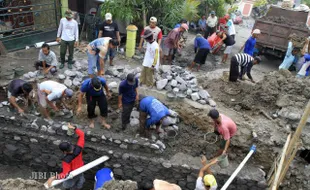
127,96
94,90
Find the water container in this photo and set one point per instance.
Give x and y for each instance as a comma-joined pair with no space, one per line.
223,161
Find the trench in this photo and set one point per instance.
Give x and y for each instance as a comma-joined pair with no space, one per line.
32,142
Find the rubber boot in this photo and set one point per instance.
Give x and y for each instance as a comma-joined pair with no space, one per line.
61,66
69,66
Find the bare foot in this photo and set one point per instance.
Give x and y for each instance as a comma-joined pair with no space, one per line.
92,125
104,124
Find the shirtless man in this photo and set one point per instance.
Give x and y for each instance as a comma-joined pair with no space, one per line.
99,47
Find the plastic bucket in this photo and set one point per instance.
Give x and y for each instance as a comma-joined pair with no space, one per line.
171,134
19,71
223,161
210,137
170,96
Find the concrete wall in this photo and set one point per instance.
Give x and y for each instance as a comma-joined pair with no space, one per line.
33,142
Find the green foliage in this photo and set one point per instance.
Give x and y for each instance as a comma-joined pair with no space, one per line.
233,9
217,5
259,3
307,2
190,9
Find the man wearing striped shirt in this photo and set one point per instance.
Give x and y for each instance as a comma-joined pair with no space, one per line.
246,62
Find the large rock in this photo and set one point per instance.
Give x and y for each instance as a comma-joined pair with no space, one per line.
161,84
195,96
76,82
165,68
183,87
134,122
189,92
112,85
204,94
70,73
61,76
180,80
174,83
68,82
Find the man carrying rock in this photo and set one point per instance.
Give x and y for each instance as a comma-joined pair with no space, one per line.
158,114
72,160
47,60
17,88
109,29
225,127
68,36
246,62
208,181
50,91
127,96
151,60
204,48
99,47
94,90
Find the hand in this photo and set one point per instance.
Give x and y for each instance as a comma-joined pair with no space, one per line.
203,160
45,71
214,161
78,111
137,98
140,48
70,126
49,181
120,105
58,40
21,111
224,152
76,44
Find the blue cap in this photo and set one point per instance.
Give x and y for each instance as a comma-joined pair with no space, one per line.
69,92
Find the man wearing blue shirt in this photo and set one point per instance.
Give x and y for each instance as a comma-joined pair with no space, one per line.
204,48
158,114
202,23
93,88
127,95
249,45
102,176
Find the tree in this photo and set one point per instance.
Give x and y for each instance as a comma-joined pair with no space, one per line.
218,6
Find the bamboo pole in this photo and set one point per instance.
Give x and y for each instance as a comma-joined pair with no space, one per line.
279,170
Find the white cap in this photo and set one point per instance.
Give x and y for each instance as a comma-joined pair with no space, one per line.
108,16
256,31
153,19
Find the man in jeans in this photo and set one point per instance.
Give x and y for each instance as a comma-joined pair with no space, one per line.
109,29
47,60
128,94
68,36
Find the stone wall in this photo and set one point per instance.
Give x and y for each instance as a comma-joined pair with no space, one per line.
33,142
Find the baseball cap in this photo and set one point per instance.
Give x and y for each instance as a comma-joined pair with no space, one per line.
69,92
147,33
256,31
185,26
96,83
108,16
212,13
131,79
214,114
209,180
153,19
65,146
68,14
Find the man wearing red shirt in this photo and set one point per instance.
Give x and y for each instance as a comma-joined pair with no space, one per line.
224,126
72,160
157,33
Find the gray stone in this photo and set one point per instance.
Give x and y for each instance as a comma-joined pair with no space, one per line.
57,142
212,103
70,73
204,94
61,76
52,163
138,70
173,120
118,172
161,144
93,139
68,82
180,80
50,130
262,184
110,152
123,146
161,84
173,113
1,105
183,87
64,127
155,146
118,142
76,82
134,122
17,138
167,164
174,83
175,127
165,68
138,168
169,77
194,81
11,147
12,118
189,92
176,90
195,96
168,88
34,124
103,137
33,140
116,165
135,114
43,128
203,102
112,85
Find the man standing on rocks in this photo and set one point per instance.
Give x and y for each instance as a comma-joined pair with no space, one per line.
50,91
17,88
109,29
68,36
72,160
47,60
151,60
94,90
212,22
208,181
246,62
157,111
249,45
127,96
157,33
224,126
99,47
172,42
204,48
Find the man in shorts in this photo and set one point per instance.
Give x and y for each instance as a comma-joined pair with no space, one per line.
229,43
94,90
50,91
204,48
225,127
172,42
17,88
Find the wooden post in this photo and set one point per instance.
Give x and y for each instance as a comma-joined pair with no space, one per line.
279,170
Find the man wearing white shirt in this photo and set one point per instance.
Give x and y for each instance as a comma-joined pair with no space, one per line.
68,35
212,22
151,59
